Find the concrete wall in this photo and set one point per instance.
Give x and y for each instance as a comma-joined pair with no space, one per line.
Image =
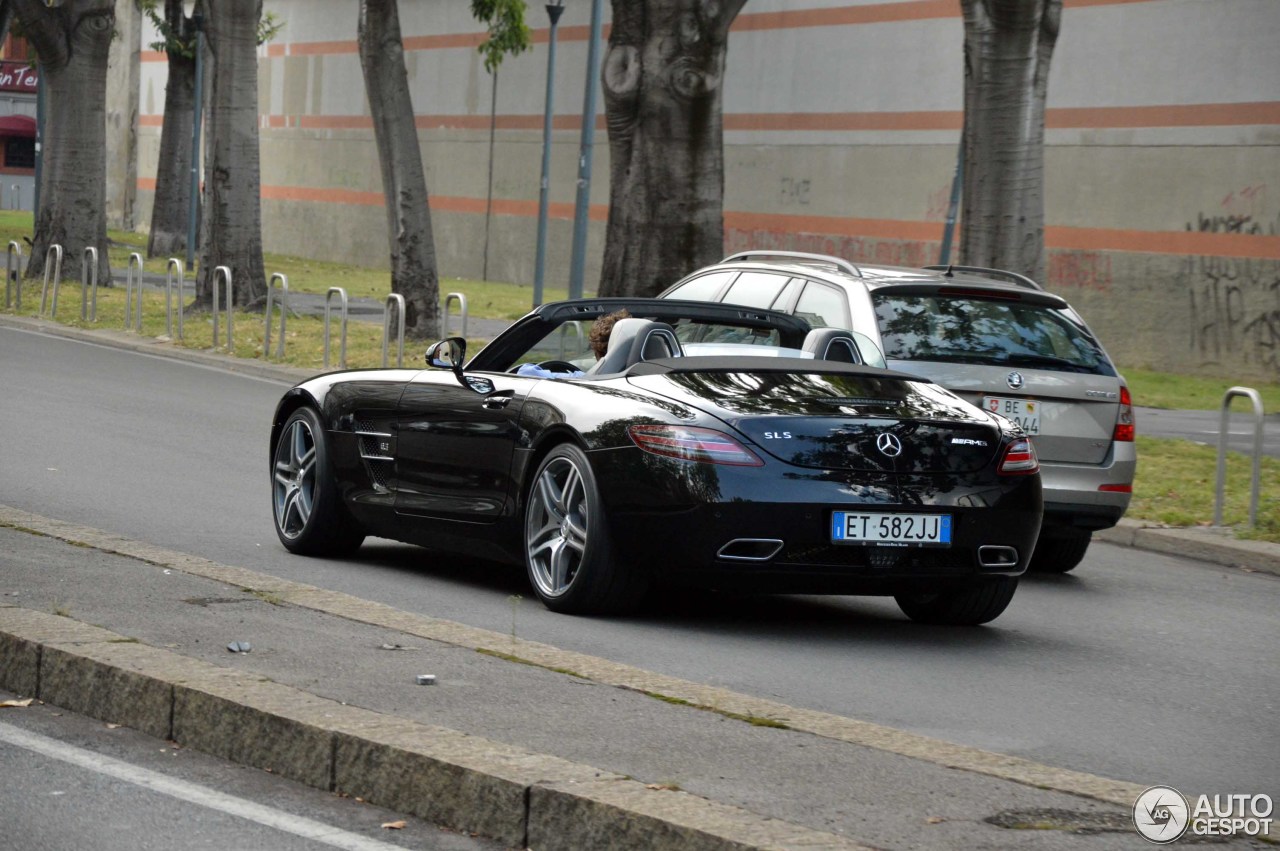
842,122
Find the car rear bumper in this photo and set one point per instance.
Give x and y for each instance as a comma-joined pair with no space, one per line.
1074,494
787,547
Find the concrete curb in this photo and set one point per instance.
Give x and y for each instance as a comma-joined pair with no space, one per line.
1203,544
463,782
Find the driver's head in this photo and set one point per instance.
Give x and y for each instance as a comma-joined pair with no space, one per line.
602,328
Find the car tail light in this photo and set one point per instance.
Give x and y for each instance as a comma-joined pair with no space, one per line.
689,443
1019,459
1116,488
1124,422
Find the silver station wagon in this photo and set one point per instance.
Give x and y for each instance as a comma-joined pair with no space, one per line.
994,338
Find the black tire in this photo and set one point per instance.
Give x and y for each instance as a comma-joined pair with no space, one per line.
568,552
307,509
1060,550
968,605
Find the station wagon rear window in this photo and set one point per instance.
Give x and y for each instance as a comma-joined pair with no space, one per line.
995,332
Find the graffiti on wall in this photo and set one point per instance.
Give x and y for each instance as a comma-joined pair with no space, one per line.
1082,270
1240,211
1235,311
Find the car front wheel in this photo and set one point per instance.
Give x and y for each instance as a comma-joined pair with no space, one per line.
568,553
968,605
310,518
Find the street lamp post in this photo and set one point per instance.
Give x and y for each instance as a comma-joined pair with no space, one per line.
554,10
577,266
193,205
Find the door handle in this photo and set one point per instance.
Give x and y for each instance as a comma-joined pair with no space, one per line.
496,403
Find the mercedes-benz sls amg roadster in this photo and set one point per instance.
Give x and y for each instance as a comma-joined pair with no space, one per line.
711,444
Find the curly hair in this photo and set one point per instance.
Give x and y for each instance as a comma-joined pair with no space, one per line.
602,328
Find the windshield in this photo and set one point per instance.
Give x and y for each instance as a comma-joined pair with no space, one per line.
993,332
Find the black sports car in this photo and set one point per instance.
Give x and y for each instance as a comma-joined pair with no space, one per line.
711,444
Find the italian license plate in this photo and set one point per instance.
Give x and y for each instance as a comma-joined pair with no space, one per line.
1024,412
894,530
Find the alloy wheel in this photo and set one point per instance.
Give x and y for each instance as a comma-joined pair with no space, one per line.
295,479
556,531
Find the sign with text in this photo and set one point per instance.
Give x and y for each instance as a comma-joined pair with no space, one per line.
18,77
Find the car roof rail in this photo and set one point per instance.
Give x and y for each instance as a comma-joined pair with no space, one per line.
999,274
802,256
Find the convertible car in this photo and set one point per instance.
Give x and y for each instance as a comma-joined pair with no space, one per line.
712,444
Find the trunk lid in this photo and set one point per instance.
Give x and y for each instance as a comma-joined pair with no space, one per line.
843,419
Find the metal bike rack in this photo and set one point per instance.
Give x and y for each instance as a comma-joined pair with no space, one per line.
90,260
462,309
564,333
11,280
328,296
225,272
1254,397
133,291
55,251
284,314
397,301
174,263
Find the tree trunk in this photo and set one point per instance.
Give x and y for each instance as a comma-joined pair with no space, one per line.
413,251
171,205
231,222
72,42
663,76
1008,46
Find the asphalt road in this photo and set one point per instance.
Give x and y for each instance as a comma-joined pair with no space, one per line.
1137,666
1205,427
88,785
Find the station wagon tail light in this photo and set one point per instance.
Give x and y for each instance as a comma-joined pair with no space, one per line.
1019,459
1124,422
689,443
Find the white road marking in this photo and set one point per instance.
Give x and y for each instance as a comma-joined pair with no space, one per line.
191,792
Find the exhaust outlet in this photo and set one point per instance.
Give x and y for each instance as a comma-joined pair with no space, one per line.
995,556
750,549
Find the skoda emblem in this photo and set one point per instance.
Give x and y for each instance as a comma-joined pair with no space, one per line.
1015,380
889,445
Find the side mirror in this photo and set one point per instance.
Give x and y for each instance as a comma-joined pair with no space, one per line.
449,353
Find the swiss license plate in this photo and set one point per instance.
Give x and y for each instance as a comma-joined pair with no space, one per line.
1024,412
894,530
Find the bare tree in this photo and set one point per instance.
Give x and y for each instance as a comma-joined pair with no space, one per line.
663,76
413,253
231,220
172,202
72,41
1007,48
413,248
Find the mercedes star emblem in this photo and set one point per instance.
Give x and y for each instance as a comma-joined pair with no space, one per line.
1015,380
889,445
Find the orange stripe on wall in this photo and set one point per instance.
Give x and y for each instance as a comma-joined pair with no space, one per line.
1174,115
1179,243
1061,118
875,13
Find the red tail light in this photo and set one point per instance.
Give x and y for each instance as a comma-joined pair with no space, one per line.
1124,422
688,443
1019,459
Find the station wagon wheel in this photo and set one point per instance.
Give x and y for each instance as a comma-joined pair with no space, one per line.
1059,550
966,605
309,516
568,552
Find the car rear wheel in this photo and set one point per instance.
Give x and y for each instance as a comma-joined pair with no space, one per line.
310,518
1060,550
568,553
968,605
